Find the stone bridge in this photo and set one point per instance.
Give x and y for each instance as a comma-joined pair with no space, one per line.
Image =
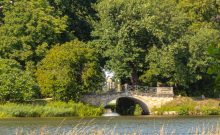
153,97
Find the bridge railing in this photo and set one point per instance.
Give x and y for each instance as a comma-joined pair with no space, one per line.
165,91
145,90
153,91
137,89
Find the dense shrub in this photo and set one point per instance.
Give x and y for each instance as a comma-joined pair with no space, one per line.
68,71
15,84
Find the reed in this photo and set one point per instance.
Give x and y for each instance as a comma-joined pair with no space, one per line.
51,109
190,106
88,129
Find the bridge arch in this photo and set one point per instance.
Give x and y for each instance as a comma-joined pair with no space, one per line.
125,103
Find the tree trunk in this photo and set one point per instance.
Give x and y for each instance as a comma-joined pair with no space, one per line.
134,76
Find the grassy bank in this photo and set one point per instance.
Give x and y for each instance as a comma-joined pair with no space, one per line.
189,106
50,109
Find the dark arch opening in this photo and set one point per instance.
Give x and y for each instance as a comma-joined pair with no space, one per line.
128,105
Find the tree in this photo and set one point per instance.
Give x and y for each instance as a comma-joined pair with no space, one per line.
1,14
68,71
30,28
184,62
214,70
80,14
127,29
16,84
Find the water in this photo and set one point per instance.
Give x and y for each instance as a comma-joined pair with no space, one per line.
110,114
121,124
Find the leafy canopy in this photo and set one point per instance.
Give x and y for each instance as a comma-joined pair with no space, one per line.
30,28
127,29
80,14
184,62
215,68
16,84
68,71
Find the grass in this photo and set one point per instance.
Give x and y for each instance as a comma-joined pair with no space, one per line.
81,129
138,110
50,109
190,106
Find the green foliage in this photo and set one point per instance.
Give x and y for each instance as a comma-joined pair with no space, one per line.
188,106
1,14
80,17
15,84
30,28
138,110
215,68
210,111
141,41
68,71
184,62
173,37
51,109
127,29
203,10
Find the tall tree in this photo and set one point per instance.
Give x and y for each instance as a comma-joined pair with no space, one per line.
30,28
1,14
127,29
80,14
68,71
215,67
184,63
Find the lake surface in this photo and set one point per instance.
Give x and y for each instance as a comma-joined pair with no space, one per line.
121,125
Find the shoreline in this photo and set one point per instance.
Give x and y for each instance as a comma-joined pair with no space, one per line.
50,109
180,106
189,106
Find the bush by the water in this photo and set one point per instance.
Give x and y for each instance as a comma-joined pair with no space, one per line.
68,71
16,84
51,109
189,106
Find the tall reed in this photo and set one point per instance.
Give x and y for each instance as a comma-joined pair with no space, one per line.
51,109
88,129
190,106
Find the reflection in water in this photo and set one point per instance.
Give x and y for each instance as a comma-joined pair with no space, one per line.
109,113
121,125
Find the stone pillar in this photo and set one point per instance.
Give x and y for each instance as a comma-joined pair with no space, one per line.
126,89
119,87
109,83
